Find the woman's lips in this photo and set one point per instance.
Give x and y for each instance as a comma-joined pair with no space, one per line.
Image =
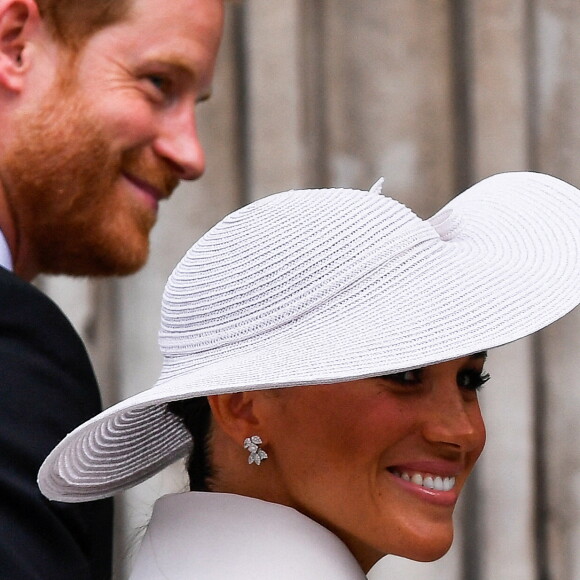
431,482
428,480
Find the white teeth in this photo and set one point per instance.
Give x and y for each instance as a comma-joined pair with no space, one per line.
437,483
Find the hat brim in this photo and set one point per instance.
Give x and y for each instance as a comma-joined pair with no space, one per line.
501,261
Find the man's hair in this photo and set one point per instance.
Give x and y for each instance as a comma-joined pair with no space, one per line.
72,22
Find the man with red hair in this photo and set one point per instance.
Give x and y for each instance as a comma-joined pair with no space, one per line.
97,109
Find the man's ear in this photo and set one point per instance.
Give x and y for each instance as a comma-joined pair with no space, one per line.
18,19
235,414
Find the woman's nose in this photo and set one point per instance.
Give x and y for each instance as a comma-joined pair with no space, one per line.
454,420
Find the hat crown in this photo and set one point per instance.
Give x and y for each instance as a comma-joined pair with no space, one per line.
267,264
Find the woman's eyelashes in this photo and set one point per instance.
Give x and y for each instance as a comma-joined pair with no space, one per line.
470,379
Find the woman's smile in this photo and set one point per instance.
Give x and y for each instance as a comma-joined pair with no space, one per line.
393,452
436,485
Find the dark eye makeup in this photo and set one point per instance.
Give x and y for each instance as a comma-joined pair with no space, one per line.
470,379
412,377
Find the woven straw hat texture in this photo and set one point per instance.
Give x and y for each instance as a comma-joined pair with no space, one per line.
324,286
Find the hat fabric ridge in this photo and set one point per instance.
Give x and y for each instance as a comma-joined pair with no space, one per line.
325,286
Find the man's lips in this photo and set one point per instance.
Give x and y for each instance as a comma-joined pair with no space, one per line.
155,193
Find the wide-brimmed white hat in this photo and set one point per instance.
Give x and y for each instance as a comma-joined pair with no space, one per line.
325,286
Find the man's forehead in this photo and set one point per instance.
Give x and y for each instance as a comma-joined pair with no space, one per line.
186,11
199,22
185,37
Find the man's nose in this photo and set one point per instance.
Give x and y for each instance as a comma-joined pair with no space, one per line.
178,144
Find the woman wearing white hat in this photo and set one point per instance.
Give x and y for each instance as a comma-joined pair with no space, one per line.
379,321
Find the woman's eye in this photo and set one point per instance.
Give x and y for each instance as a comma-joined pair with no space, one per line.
406,377
472,379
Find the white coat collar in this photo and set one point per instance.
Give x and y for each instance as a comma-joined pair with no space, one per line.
218,536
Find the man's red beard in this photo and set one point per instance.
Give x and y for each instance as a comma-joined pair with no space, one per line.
64,186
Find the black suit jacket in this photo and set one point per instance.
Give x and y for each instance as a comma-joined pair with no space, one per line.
47,388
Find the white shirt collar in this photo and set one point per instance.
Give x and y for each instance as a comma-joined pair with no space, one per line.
5,255
216,536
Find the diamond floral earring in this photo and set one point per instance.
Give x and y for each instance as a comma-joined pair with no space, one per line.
252,444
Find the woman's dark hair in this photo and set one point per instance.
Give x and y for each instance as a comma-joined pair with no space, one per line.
195,415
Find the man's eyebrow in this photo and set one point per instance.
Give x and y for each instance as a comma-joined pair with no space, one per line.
479,355
175,61
178,64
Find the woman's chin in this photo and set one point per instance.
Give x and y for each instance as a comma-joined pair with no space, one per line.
413,544
427,553
427,547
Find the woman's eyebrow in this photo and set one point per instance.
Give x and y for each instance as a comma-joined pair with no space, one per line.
479,355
